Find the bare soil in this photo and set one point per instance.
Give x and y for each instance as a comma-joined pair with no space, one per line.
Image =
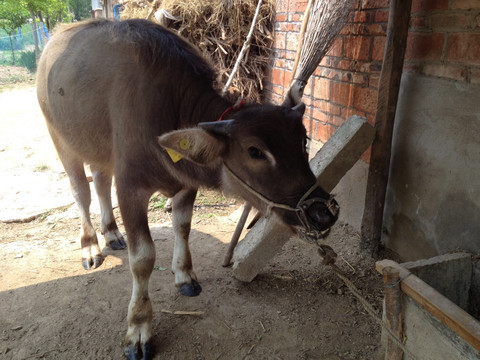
51,308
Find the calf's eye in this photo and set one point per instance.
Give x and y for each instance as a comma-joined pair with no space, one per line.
256,154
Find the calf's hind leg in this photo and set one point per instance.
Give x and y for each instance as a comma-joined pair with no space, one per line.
103,186
91,254
141,253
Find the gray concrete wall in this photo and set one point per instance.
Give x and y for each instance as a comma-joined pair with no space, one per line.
433,196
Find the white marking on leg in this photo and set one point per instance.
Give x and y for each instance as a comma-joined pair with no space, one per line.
140,308
182,259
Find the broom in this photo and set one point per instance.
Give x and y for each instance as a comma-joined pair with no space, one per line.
322,22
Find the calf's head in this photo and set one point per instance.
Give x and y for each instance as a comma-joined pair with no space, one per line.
262,152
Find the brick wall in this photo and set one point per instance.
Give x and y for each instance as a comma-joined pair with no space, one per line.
443,41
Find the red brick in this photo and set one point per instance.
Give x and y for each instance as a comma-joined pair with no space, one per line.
279,63
364,16
336,49
292,41
301,5
279,41
281,17
309,125
320,115
308,88
464,48
348,111
321,89
282,6
417,22
327,107
429,5
337,121
324,132
357,47
378,48
465,4
365,99
445,71
278,76
377,29
296,17
341,93
424,46
381,16
374,4
448,21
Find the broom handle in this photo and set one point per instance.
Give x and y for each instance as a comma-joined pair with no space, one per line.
300,41
245,46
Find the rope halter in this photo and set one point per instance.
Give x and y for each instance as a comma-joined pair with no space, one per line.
307,232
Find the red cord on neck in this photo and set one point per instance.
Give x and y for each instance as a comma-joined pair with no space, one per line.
235,106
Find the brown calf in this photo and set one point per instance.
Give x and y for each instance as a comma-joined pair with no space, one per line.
127,99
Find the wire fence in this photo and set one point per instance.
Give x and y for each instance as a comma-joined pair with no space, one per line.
19,48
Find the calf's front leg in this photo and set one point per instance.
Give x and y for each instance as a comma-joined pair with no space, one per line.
141,255
182,209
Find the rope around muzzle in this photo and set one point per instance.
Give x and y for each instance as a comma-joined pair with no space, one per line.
299,210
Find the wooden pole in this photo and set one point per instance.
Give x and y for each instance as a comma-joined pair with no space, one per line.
227,260
397,32
393,311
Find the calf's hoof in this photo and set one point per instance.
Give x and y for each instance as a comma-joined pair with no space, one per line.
115,240
134,352
118,244
93,262
193,289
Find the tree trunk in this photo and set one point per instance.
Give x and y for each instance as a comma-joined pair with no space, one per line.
35,33
13,51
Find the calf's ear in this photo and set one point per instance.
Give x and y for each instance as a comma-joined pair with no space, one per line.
193,144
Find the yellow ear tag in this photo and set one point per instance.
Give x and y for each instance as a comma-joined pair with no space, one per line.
174,155
184,144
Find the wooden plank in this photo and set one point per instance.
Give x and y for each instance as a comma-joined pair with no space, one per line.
448,313
397,32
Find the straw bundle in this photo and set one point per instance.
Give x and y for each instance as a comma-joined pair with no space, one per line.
219,29
323,21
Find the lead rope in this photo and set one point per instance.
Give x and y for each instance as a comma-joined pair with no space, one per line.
329,257
270,204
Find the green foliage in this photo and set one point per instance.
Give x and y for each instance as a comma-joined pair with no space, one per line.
12,16
81,9
27,59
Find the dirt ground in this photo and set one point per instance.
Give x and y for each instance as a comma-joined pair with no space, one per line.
50,308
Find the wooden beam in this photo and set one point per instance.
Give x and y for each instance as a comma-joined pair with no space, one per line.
397,32
448,313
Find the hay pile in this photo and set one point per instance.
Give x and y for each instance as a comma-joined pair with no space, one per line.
219,29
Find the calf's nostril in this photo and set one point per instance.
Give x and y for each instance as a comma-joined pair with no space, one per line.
323,215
